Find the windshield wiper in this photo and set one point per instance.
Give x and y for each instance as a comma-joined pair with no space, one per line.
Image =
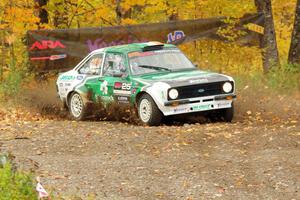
155,67
185,69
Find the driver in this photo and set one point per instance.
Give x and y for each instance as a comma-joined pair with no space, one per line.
95,65
135,67
119,64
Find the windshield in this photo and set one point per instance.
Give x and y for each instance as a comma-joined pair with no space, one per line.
159,60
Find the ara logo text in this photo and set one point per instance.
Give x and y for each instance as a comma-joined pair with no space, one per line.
47,44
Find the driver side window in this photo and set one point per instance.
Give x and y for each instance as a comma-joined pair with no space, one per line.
114,64
92,66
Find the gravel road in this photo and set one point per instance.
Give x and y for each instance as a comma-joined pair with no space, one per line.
114,160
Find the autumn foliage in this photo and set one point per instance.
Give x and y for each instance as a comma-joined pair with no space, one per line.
16,17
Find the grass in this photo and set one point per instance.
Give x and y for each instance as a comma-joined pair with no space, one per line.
282,80
14,184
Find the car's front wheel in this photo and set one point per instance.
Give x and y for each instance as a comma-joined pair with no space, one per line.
148,111
228,113
76,107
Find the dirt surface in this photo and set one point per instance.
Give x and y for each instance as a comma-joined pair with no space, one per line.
255,157
113,160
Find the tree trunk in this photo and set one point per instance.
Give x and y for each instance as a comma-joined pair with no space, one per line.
60,19
118,11
294,52
121,14
268,42
42,13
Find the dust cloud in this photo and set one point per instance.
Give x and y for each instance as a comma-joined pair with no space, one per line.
251,104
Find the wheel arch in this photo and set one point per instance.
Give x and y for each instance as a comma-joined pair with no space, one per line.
68,97
85,96
141,93
138,96
157,114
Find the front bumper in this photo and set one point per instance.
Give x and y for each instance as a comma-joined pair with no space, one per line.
198,104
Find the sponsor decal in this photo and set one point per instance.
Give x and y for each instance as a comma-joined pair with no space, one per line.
140,54
47,44
61,84
124,92
68,84
177,110
122,88
118,85
53,57
167,51
67,78
201,80
133,91
123,99
223,104
178,35
103,87
201,107
79,78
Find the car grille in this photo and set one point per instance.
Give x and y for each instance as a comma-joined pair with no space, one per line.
201,90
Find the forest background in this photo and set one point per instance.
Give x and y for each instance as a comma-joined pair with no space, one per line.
242,62
266,91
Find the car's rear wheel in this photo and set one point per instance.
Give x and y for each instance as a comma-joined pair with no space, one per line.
148,111
76,107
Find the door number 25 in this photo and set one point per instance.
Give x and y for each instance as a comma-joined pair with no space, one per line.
126,86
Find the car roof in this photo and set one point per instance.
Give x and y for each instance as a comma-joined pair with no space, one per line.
126,48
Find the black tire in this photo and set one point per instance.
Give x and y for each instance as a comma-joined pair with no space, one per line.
228,113
80,115
155,115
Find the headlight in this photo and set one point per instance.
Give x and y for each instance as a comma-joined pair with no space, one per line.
173,93
227,87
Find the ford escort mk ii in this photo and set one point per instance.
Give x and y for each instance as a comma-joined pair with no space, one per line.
157,79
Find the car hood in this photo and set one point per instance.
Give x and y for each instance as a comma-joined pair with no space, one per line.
181,78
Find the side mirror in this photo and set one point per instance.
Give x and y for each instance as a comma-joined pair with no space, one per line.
196,64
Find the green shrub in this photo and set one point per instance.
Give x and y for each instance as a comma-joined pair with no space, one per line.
283,80
12,82
16,185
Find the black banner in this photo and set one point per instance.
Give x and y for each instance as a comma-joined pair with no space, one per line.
62,49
